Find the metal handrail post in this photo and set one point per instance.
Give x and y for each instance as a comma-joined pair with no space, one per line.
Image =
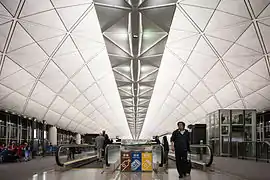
267,153
106,152
256,151
162,153
57,153
209,150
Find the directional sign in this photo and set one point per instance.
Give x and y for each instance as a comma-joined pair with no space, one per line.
147,161
136,161
125,161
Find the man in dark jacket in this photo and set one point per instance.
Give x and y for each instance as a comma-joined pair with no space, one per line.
180,144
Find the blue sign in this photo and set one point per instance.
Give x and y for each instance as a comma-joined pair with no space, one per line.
136,161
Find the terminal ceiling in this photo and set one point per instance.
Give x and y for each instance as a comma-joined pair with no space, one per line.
132,67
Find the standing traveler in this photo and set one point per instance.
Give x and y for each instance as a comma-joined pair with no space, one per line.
157,140
2,147
20,151
26,152
106,142
180,144
166,151
71,152
99,145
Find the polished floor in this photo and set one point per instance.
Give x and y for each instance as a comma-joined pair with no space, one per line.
91,174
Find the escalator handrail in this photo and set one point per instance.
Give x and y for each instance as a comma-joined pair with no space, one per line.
118,146
209,163
106,151
162,153
68,146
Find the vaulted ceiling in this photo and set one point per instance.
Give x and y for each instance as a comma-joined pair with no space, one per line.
132,67
135,34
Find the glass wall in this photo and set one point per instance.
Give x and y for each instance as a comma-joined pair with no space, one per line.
63,136
213,131
225,129
228,127
263,126
3,128
20,129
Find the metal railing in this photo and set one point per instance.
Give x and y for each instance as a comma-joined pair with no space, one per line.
112,153
199,154
158,154
259,150
72,154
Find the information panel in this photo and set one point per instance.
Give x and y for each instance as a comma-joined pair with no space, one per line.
147,161
136,161
125,161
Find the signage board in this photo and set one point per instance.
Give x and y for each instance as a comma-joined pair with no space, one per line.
147,161
125,161
136,161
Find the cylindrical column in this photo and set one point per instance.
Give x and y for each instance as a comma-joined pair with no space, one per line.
43,137
53,135
78,139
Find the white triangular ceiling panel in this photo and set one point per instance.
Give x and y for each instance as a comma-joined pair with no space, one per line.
33,7
71,14
265,92
256,100
45,19
236,105
260,68
235,7
4,29
211,4
20,33
11,6
259,5
200,16
14,102
9,68
4,91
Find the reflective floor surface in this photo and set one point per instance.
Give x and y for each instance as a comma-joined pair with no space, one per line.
90,174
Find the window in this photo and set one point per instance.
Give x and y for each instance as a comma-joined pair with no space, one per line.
237,117
24,134
35,133
248,117
2,131
24,123
225,116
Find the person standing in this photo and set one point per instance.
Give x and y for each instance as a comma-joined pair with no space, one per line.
180,145
166,150
157,140
26,152
71,151
99,145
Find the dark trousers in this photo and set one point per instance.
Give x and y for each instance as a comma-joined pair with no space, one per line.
166,153
181,161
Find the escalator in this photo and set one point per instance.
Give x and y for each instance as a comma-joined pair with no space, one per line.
85,156
75,156
201,157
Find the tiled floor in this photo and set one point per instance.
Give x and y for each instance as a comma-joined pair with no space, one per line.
87,174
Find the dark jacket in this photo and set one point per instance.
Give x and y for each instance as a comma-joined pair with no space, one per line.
157,141
181,141
166,146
